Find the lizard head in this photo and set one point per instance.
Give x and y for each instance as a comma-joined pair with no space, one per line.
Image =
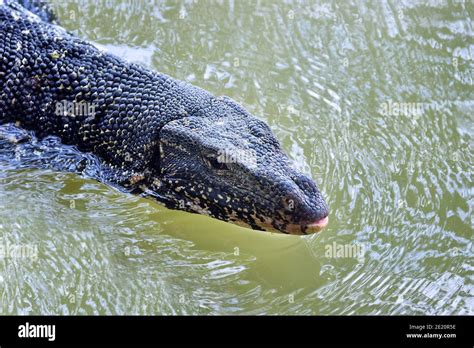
226,163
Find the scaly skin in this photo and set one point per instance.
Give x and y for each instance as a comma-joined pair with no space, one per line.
176,142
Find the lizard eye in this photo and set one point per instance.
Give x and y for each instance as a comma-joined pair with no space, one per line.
214,163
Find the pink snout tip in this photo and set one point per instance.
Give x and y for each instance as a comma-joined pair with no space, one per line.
320,224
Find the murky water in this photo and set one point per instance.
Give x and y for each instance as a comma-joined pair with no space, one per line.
374,99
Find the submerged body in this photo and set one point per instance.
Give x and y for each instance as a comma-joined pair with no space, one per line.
176,142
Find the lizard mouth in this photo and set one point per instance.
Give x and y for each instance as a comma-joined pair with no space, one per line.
296,229
311,228
318,225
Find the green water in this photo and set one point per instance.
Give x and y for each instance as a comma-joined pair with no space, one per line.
373,98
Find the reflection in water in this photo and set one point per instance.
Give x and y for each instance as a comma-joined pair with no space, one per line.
371,98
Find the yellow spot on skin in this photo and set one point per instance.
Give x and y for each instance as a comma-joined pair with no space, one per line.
55,55
136,178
